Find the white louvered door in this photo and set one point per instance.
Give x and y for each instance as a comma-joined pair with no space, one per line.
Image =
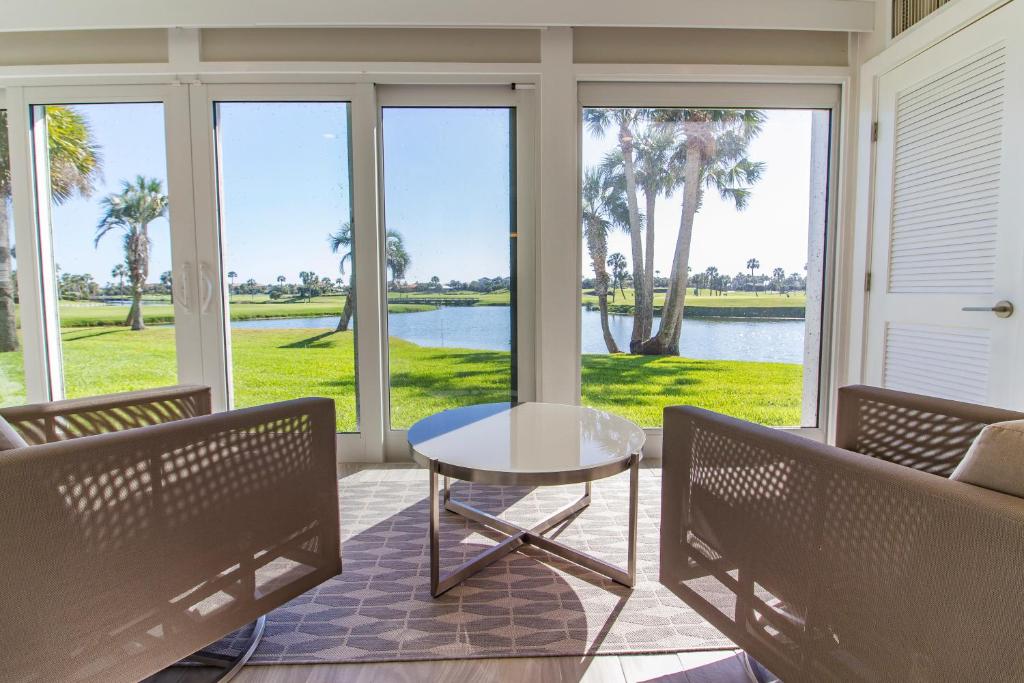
949,218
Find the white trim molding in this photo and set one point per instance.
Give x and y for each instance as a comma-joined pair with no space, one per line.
820,15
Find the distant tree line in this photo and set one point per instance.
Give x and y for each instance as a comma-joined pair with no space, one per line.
708,281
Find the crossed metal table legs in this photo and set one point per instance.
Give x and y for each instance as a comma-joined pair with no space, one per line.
517,536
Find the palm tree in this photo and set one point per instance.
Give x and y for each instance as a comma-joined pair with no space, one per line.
626,120
396,258
712,154
656,176
603,209
779,276
617,262
167,280
712,278
752,265
281,279
131,210
120,272
231,276
74,162
341,241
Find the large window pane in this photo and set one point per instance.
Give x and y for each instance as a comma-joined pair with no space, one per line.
108,213
703,245
12,369
450,265
287,252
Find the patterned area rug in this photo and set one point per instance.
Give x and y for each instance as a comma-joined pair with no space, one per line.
526,604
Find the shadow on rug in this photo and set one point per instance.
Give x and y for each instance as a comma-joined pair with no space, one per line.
527,604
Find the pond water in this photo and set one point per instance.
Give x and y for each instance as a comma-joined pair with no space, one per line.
488,328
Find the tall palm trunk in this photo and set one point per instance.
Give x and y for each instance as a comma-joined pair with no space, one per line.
640,314
666,341
651,198
138,271
346,312
8,326
598,248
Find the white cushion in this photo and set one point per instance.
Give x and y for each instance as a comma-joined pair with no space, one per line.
996,459
9,438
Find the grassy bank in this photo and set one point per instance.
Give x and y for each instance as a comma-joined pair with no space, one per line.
278,364
74,314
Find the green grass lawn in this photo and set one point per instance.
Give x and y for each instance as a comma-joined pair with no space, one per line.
279,364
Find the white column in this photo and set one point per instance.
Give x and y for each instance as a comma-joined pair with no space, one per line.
816,229
371,345
558,255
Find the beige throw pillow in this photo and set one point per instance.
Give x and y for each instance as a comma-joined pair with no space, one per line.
996,459
9,437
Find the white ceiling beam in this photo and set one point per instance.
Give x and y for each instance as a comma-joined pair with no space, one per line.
820,15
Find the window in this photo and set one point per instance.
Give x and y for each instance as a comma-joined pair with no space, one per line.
287,252
449,258
703,234
103,186
12,369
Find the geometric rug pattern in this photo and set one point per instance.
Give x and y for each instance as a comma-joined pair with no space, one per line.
527,604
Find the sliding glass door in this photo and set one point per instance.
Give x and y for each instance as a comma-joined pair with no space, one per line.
114,247
450,245
365,243
287,260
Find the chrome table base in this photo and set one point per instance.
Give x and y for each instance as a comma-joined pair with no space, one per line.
517,536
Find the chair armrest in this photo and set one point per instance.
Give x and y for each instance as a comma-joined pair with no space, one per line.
891,573
922,432
42,423
188,530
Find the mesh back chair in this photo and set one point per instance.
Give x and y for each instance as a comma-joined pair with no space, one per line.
830,565
137,528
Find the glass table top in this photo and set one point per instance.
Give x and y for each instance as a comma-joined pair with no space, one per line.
525,438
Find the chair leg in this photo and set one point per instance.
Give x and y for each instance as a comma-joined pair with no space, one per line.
756,671
230,664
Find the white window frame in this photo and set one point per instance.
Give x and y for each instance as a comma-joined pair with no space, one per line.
747,95
36,277
521,99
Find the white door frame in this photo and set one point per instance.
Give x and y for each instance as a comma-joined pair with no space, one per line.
36,278
522,101
820,96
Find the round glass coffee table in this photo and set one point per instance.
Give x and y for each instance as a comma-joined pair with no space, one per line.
525,444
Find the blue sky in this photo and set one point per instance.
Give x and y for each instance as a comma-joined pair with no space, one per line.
285,171
286,187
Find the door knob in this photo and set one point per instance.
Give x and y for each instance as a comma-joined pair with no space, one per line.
1003,309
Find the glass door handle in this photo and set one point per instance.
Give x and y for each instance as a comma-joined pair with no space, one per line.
185,287
1003,309
206,283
